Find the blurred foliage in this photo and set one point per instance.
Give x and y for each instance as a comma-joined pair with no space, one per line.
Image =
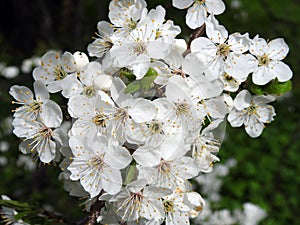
268,167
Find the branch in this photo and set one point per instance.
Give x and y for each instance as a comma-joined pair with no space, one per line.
196,33
95,212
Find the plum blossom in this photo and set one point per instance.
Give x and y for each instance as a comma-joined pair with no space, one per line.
268,64
252,112
199,9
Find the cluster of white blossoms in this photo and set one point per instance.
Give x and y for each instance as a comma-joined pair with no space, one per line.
144,113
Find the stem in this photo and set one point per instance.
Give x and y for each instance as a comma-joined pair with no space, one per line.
95,212
196,33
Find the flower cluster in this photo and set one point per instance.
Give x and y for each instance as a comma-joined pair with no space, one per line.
144,114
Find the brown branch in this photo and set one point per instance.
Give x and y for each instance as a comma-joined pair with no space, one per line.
95,212
196,33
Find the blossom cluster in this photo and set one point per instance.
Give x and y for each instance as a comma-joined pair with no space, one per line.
143,116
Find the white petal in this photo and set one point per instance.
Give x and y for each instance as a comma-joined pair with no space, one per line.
21,93
242,100
47,151
41,92
147,156
182,4
215,6
195,16
91,70
177,89
280,70
112,181
117,157
262,75
278,49
253,127
215,32
258,46
51,114
265,114
142,110
81,106
68,62
236,118
239,66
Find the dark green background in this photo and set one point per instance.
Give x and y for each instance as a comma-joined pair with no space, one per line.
268,169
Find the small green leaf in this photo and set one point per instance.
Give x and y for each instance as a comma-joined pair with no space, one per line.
151,72
131,173
147,82
128,75
20,215
255,89
132,87
21,206
277,88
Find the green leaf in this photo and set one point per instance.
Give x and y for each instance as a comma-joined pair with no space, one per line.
147,82
255,89
128,75
151,72
20,215
21,206
131,173
132,87
277,88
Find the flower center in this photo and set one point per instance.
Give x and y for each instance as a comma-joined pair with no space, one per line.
200,2
223,50
263,60
121,115
130,24
59,73
168,206
35,106
155,127
164,167
182,108
46,132
251,109
139,48
96,162
89,91
100,120
136,197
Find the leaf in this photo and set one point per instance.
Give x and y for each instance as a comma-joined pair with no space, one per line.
20,215
21,206
132,87
151,72
255,89
128,75
147,82
277,88
131,173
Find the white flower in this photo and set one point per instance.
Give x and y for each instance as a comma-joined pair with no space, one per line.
41,107
251,215
103,42
180,205
137,49
223,53
54,69
10,72
198,11
97,163
253,112
137,201
38,137
268,64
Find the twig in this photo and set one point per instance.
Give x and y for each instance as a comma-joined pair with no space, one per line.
95,212
197,33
